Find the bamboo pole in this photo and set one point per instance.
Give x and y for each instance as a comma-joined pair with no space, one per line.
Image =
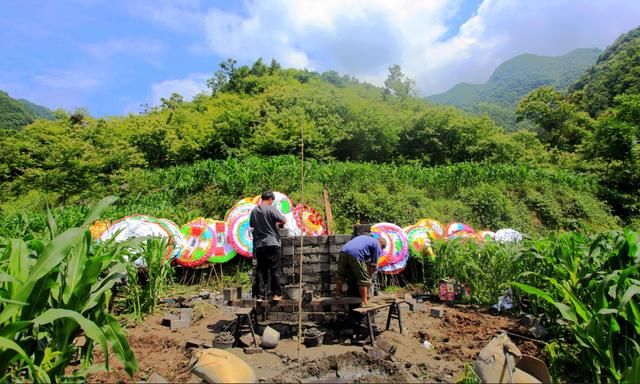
327,211
301,242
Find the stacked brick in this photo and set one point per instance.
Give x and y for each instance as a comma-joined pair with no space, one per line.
319,261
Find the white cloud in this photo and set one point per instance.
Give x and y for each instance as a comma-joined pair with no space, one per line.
81,79
361,37
187,87
179,15
364,37
502,29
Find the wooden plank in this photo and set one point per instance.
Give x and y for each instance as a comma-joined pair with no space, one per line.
327,211
243,311
373,308
287,302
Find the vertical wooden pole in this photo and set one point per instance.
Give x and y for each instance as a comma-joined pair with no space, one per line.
327,211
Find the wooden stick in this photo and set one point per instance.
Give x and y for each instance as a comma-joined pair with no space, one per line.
327,211
301,242
216,273
222,275
209,277
519,336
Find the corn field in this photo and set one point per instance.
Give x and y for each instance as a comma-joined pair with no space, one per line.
52,293
585,288
489,196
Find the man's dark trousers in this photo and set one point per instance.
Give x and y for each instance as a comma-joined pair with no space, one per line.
268,262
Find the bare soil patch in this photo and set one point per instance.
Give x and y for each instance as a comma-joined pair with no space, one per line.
455,339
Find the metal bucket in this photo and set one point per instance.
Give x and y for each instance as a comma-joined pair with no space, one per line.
270,338
293,291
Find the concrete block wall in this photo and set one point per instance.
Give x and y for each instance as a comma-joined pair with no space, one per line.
319,261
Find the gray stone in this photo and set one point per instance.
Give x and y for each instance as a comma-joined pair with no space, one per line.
528,320
247,340
157,379
166,320
437,312
194,379
227,294
179,324
186,314
539,332
194,343
288,251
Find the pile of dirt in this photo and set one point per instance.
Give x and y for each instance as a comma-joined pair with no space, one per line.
350,367
453,341
154,353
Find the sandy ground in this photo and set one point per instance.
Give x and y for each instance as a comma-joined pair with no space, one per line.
456,340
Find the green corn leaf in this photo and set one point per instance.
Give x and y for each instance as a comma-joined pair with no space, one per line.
632,375
607,311
91,330
75,266
10,345
629,293
120,344
614,326
564,309
95,211
534,291
19,260
635,316
51,224
117,272
50,258
11,329
16,302
578,306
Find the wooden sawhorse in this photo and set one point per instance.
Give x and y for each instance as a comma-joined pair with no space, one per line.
394,313
246,318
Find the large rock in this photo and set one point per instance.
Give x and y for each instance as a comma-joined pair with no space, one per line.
219,366
501,361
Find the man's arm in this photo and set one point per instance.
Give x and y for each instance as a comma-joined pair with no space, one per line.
376,253
279,218
372,269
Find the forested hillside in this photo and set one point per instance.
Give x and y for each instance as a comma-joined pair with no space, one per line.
598,122
383,154
15,114
515,78
38,111
617,72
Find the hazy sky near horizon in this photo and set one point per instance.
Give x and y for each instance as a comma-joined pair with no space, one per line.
111,56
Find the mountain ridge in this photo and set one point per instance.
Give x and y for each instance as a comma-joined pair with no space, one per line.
18,113
519,75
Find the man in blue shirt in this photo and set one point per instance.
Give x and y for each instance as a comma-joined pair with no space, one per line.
357,262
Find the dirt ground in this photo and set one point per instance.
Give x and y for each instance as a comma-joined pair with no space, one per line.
456,339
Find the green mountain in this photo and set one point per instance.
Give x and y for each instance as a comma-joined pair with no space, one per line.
517,77
38,110
15,114
617,72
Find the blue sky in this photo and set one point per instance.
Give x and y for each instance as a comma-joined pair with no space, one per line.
112,56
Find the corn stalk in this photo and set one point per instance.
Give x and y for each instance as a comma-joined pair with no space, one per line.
50,294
